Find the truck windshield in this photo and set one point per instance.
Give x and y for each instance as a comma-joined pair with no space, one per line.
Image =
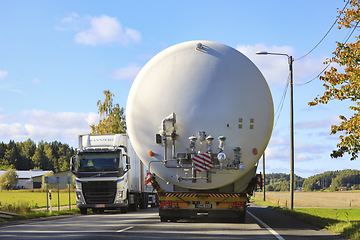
99,162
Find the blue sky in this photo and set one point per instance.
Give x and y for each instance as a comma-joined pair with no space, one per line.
57,58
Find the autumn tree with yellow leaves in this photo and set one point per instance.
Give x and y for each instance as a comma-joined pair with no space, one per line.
112,118
345,84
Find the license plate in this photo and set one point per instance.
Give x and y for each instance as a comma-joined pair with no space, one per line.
201,205
99,205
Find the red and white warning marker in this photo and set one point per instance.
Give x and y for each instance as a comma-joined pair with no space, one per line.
202,162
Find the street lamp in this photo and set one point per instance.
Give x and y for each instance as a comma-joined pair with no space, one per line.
290,60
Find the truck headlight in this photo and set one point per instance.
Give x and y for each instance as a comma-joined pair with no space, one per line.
119,196
79,197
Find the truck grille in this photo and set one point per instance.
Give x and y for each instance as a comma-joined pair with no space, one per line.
99,192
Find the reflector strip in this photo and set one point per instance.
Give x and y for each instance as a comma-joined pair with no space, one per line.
211,195
181,195
223,195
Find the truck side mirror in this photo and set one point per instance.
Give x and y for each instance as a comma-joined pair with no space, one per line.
127,163
72,164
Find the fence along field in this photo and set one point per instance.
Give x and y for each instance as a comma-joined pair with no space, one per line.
36,199
313,199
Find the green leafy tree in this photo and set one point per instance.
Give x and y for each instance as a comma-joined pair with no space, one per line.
26,150
2,149
51,159
4,164
12,154
8,180
39,160
345,85
112,118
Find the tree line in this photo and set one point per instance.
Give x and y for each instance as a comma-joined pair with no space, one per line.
29,155
281,182
333,180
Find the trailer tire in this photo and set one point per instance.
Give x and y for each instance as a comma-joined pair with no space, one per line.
163,219
241,218
83,211
144,200
134,207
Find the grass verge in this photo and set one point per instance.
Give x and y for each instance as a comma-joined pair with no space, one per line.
41,214
346,222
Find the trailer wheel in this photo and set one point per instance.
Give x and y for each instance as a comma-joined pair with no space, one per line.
163,219
83,211
241,218
134,207
144,201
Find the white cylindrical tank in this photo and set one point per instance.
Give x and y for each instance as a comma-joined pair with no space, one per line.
200,115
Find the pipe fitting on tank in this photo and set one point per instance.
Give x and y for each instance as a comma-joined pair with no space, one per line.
221,157
221,143
202,136
192,143
170,118
209,140
237,155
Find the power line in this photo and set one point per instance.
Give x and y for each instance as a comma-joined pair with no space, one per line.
282,100
324,35
349,35
301,84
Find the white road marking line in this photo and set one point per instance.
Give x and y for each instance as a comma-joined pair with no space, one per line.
267,227
122,230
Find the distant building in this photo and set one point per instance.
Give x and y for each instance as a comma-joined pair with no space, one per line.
64,174
29,179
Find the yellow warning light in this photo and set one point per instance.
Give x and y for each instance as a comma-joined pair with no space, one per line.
151,153
255,151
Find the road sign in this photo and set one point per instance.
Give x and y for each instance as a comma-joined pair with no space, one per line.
61,180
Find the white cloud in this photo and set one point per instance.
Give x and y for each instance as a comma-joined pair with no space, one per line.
3,74
277,153
302,157
35,81
128,73
48,126
276,68
315,124
72,17
105,29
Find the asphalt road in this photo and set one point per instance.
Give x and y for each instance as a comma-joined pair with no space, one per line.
261,223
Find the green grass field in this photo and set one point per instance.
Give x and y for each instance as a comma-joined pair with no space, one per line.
338,219
314,199
35,199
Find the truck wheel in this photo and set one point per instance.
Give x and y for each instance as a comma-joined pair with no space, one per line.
124,210
173,220
83,211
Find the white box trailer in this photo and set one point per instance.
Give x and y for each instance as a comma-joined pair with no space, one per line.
109,175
